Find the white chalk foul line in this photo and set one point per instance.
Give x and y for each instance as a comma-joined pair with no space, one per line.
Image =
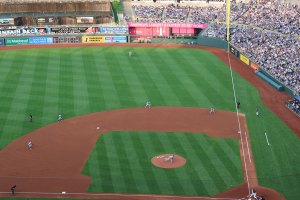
248,147
65,194
267,139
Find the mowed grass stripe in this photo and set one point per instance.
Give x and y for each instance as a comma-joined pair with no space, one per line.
22,93
190,78
110,94
222,159
104,181
157,147
8,90
212,173
80,86
94,92
118,181
138,174
174,82
207,75
119,77
177,183
51,94
196,168
66,95
129,67
151,88
35,103
144,154
154,149
187,175
145,58
123,158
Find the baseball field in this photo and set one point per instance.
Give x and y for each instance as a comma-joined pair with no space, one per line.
83,80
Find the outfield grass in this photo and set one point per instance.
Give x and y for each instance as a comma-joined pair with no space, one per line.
121,162
76,81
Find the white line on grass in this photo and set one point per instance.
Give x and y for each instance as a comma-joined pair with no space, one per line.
248,147
238,118
155,196
267,139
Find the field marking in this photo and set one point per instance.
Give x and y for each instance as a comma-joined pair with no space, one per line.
267,139
238,119
66,194
247,146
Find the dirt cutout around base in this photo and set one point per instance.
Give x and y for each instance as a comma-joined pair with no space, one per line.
168,161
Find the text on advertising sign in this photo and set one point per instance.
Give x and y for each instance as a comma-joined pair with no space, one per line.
171,25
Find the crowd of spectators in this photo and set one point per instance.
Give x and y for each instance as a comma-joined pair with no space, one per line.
176,13
294,105
148,13
272,15
277,54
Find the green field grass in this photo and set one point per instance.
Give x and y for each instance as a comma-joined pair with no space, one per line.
123,164
77,81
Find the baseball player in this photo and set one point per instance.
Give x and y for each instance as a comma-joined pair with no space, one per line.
257,112
148,104
29,144
130,53
13,189
212,110
59,117
170,158
30,117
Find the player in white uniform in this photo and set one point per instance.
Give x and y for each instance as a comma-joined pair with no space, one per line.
148,104
212,110
170,158
59,117
29,144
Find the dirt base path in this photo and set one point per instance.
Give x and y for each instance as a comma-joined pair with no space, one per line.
60,150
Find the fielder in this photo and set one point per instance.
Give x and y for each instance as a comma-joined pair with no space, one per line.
130,53
148,104
29,144
212,110
59,117
257,112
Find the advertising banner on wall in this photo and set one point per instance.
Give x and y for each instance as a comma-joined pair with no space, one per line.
1,42
16,31
85,20
254,66
178,25
67,39
45,20
244,59
41,40
16,41
113,29
92,39
7,21
73,29
115,39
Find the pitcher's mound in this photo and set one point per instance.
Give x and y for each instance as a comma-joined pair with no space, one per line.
168,161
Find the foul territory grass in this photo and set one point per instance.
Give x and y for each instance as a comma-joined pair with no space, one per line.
77,81
124,164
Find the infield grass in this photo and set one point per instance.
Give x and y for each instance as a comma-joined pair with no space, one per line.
77,81
124,164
